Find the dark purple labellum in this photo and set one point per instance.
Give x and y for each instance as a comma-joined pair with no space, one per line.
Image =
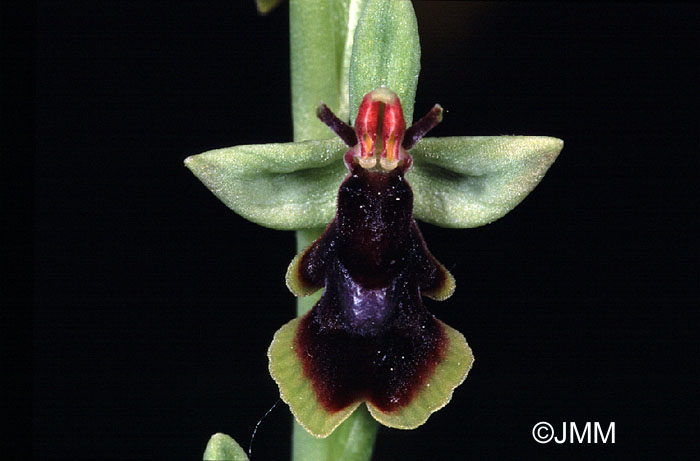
370,336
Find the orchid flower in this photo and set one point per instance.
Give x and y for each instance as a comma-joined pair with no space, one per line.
369,338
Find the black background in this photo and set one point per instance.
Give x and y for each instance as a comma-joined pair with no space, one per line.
154,304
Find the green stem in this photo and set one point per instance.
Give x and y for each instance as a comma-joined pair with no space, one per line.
313,62
319,73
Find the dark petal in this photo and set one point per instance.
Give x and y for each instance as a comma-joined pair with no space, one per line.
415,132
339,127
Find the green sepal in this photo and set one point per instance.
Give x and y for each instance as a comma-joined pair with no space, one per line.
221,447
437,390
283,186
386,52
296,390
469,181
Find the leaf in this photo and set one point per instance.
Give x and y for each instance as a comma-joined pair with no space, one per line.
386,52
472,181
224,448
282,186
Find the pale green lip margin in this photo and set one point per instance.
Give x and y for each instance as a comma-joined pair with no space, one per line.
297,391
437,392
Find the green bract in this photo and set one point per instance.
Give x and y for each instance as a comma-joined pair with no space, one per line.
221,447
362,44
457,181
386,52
